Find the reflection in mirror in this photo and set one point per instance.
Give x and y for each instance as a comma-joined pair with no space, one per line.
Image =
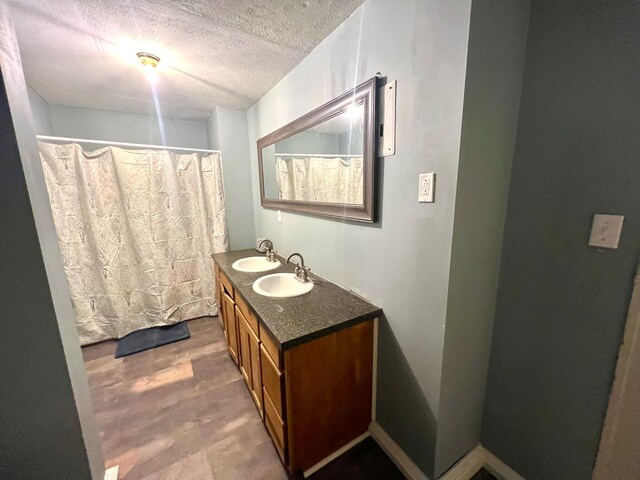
321,164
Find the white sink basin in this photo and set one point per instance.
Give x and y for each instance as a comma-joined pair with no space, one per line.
254,264
281,285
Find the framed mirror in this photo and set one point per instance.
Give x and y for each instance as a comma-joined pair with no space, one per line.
323,163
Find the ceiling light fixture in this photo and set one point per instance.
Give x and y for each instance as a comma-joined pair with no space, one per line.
148,60
149,63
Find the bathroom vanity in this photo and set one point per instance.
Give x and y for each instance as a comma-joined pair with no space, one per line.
308,361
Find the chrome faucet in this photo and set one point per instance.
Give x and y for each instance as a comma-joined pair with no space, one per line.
301,272
271,253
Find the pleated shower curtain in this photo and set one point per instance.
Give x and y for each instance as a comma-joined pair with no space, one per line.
137,229
321,179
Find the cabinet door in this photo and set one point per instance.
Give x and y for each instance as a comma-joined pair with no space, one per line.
231,324
272,402
244,353
256,374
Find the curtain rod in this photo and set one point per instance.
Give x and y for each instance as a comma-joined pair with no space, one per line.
314,155
123,144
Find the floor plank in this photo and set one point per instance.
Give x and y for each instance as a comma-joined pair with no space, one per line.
182,411
179,411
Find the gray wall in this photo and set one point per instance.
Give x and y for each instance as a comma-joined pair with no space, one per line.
562,304
269,172
351,143
112,126
402,261
309,142
48,429
41,113
495,63
228,131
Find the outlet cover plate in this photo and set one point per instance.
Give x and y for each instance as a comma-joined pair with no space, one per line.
426,187
606,230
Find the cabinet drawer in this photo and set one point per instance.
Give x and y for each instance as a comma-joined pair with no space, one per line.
275,426
226,284
271,380
271,346
248,314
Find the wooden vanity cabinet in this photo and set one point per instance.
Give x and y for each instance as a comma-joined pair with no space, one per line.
315,397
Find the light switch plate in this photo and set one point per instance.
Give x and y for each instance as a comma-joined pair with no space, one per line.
111,473
426,187
606,230
279,216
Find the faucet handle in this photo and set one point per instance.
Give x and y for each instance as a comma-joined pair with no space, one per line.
303,273
300,270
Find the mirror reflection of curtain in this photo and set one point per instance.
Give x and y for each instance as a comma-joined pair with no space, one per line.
137,229
321,179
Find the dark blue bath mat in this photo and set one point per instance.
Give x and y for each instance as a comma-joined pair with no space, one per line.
150,338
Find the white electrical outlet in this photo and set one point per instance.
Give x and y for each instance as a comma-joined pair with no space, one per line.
606,230
279,216
426,187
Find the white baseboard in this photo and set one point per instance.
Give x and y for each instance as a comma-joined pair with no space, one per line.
476,459
395,453
111,473
466,468
311,470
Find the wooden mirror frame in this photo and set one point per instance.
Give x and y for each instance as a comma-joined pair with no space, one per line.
364,94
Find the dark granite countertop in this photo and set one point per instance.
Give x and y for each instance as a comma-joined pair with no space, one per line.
293,321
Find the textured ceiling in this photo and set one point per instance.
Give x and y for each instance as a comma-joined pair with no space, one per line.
225,53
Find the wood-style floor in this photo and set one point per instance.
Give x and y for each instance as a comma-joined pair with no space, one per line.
182,411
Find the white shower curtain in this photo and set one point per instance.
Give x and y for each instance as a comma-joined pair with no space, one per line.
321,179
137,229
